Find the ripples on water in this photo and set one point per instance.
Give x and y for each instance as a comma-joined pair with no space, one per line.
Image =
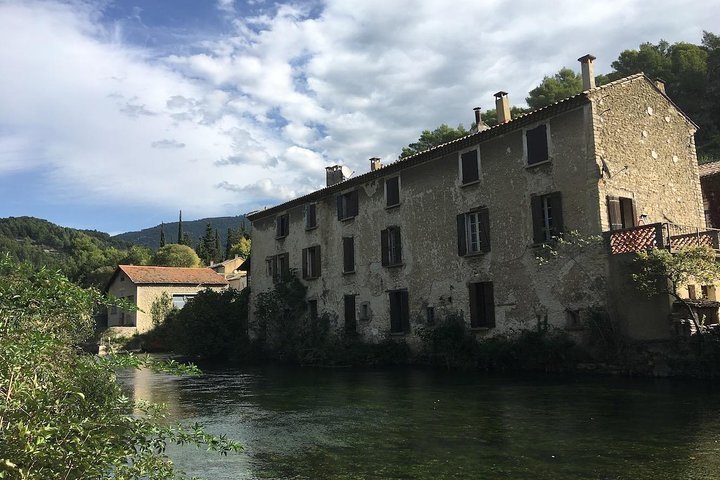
426,424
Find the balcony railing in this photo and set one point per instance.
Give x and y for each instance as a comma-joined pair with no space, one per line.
661,235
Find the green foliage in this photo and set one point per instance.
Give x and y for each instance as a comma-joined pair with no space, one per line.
490,116
82,255
62,415
241,248
213,325
429,139
278,313
160,308
208,248
563,84
174,255
657,267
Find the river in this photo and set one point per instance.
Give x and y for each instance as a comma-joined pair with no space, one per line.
410,423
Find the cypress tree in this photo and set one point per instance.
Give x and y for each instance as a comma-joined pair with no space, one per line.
181,237
218,252
162,234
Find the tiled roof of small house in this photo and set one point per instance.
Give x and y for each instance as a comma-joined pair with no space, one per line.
146,275
708,169
518,122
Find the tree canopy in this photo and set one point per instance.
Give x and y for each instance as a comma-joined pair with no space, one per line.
176,255
429,139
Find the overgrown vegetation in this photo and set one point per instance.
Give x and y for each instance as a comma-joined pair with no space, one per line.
62,415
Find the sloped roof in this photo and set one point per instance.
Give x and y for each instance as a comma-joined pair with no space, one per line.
708,169
147,275
518,122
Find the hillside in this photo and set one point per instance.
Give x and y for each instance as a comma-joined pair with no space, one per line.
150,237
77,253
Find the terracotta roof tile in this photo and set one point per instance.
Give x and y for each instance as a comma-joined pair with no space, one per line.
172,275
707,169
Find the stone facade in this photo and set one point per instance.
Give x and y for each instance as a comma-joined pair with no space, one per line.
710,184
625,139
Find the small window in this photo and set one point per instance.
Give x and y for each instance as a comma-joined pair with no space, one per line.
311,262
391,247
392,192
536,143
621,212
473,232
310,216
692,292
547,216
348,254
469,166
482,305
282,226
350,321
181,299
365,312
399,312
347,205
312,309
430,315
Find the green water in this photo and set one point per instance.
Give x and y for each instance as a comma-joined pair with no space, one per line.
426,424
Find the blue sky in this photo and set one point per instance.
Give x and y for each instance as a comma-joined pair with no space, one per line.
114,115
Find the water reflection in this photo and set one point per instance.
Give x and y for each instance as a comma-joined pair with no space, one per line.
412,423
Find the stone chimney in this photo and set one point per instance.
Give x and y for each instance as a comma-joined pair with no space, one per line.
333,175
660,84
479,124
588,71
502,105
375,164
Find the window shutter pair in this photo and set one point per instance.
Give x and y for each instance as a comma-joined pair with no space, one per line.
537,145
462,229
386,255
554,202
347,205
310,216
392,191
348,254
482,305
469,164
399,312
311,262
621,212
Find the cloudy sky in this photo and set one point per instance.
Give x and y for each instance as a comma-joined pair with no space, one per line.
116,114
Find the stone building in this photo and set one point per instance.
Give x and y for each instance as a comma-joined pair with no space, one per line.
234,271
142,285
710,183
456,230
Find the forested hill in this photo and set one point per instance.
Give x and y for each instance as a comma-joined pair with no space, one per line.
77,253
150,237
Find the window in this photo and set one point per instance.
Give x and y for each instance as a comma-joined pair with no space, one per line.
473,232
399,312
365,312
310,216
470,166
546,216
390,247
312,309
278,267
180,299
348,254
482,305
536,144
282,226
350,323
311,262
347,205
621,212
392,192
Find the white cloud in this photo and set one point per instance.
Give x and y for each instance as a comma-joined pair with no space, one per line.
293,89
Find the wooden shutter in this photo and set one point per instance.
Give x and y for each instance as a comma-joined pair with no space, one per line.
310,218
537,219
340,213
488,305
614,215
469,163
316,261
350,324
305,263
395,312
537,147
474,293
405,311
397,246
392,191
628,212
278,226
555,202
353,204
348,254
484,215
461,236
384,253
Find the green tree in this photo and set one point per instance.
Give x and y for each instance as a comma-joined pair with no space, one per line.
174,255
241,248
563,84
62,415
490,116
181,235
429,139
137,255
162,234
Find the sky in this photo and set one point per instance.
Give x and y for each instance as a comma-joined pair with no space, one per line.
115,115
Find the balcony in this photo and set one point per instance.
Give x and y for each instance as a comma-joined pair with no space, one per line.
661,235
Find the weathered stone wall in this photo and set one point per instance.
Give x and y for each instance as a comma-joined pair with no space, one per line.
711,199
432,271
648,149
